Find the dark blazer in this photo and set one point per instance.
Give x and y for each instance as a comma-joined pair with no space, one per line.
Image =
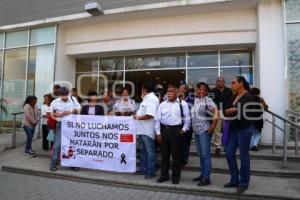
98,110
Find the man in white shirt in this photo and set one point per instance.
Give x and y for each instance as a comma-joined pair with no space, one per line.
145,128
171,123
60,107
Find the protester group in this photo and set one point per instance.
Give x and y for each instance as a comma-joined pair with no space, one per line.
168,120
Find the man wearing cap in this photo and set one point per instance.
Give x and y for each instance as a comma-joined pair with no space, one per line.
62,106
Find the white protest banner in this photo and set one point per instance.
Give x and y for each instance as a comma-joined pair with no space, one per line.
99,142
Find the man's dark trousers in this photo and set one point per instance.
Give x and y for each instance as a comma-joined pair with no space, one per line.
171,145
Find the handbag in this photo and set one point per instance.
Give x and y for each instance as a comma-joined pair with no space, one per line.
225,133
51,123
51,136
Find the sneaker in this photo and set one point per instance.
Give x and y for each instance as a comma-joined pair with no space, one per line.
53,169
30,153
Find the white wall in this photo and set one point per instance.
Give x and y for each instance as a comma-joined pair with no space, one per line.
214,28
270,57
65,66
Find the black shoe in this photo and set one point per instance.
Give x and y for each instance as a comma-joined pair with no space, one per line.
75,169
197,179
184,162
175,182
218,151
240,189
204,182
161,179
254,148
230,185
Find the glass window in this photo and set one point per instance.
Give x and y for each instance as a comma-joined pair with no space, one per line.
1,40
87,65
40,70
86,82
203,59
42,35
111,78
14,83
16,39
236,58
1,65
230,73
155,61
292,10
110,64
207,75
293,71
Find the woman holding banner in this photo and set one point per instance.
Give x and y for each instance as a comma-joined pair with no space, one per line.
125,106
93,107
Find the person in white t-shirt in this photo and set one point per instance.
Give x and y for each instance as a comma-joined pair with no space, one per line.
60,107
146,129
45,111
125,106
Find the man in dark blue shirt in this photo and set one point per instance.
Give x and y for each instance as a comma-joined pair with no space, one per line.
222,96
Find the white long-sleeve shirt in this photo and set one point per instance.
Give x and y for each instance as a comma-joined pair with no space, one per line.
169,113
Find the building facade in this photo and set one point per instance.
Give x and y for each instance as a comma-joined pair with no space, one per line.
165,41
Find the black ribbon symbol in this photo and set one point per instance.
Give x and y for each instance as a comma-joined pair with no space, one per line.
123,159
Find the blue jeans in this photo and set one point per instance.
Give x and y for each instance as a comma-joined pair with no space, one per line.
148,155
56,146
239,138
203,144
255,138
29,133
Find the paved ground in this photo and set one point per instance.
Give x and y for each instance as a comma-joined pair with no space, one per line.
19,187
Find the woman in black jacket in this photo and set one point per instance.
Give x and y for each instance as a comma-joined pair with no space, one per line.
93,108
240,131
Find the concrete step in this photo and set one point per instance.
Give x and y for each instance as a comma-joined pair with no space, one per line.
260,188
268,168
262,154
291,146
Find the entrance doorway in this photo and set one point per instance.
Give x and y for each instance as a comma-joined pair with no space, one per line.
159,77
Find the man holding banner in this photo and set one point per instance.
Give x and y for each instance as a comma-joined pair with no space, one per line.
59,108
145,128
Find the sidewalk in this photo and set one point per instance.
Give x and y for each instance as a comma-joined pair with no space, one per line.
261,187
